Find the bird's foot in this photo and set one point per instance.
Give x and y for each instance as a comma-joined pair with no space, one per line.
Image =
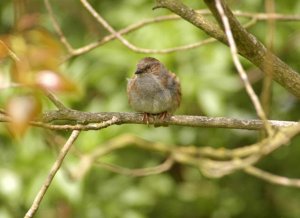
146,117
162,116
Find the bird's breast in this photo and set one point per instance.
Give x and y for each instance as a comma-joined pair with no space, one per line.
147,94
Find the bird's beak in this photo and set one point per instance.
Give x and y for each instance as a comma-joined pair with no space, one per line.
138,71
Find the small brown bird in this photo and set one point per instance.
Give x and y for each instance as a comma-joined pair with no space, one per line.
153,90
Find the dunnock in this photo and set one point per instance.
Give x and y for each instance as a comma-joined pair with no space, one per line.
153,90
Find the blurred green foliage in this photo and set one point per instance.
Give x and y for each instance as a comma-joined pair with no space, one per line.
210,86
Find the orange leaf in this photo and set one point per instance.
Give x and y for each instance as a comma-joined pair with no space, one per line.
53,81
21,110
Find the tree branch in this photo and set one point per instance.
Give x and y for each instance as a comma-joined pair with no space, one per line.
137,118
213,162
269,177
165,166
77,120
248,46
57,28
57,164
254,17
55,100
232,45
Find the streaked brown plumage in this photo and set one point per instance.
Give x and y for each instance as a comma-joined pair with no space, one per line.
153,89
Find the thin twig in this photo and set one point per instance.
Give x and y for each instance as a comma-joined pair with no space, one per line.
60,33
214,162
165,166
266,93
268,16
140,24
12,54
217,169
133,27
259,110
82,127
125,42
56,166
269,177
55,100
254,18
106,25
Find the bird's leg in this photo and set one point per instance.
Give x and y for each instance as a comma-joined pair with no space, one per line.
146,118
163,115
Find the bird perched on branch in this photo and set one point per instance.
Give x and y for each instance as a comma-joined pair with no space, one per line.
153,89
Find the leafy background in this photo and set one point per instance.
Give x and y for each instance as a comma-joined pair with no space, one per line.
210,87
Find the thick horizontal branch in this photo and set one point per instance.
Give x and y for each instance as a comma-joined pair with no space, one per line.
84,118
77,120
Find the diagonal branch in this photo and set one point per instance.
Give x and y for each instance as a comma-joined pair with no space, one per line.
54,21
55,100
248,46
253,16
257,53
239,67
269,177
108,27
56,166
